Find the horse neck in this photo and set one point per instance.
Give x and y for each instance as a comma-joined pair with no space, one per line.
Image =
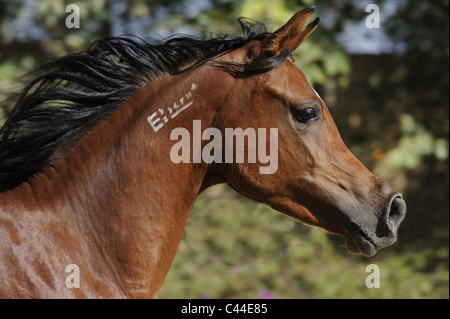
118,189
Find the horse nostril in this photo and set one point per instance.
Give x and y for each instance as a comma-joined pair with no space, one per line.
391,219
397,213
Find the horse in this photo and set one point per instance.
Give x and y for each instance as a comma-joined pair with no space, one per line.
97,185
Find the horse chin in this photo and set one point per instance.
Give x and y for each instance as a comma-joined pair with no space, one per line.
358,243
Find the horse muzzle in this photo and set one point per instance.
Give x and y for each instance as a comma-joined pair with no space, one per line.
367,240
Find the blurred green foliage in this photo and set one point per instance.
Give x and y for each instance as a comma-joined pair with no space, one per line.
415,143
392,111
234,248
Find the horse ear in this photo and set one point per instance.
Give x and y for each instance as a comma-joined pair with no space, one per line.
291,35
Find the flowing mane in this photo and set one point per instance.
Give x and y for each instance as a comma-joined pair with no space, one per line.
73,94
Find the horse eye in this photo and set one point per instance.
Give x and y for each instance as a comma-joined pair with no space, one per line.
305,115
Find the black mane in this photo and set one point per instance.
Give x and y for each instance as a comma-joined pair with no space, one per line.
73,94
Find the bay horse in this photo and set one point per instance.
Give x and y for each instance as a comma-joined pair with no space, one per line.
88,187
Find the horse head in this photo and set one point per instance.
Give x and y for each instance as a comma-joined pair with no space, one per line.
318,180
